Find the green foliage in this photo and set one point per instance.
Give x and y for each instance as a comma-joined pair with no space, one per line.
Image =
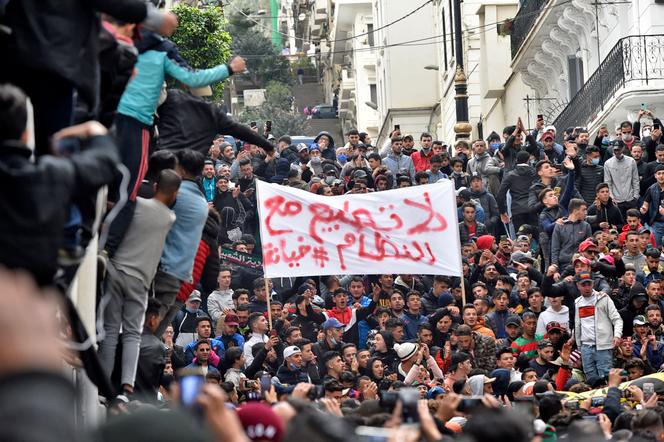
283,122
278,94
201,37
306,64
263,61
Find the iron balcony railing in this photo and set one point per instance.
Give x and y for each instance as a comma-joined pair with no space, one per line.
636,59
524,21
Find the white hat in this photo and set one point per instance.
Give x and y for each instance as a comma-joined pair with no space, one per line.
290,351
405,350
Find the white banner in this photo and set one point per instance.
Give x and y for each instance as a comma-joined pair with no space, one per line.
410,230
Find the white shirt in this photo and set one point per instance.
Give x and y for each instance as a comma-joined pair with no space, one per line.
587,317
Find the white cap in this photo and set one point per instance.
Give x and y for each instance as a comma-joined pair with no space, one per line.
290,351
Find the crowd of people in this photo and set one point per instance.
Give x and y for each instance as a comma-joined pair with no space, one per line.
561,242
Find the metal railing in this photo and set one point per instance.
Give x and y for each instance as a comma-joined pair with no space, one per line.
524,21
637,58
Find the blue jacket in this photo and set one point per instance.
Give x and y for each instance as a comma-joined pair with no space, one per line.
654,356
411,324
216,345
363,326
191,212
211,368
141,95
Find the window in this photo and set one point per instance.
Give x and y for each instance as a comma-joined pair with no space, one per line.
444,39
370,32
575,75
373,92
451,28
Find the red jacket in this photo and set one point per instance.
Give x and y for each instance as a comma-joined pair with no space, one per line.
421,161
623,235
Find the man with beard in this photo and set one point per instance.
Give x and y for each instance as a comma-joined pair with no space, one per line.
654,317
230,198
542,363
207,181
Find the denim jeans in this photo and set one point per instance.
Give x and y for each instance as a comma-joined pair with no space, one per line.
658,228
596,363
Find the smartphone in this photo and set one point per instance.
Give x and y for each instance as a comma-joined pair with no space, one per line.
572,405
268,125
644,106
397,127
597,402
191,382
648,390
274,332
266,383
525,406
253,124
540,116
231,185
590,418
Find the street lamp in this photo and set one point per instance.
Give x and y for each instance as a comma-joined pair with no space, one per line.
462,128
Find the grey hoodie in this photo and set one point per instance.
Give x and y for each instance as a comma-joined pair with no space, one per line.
566,239
608,323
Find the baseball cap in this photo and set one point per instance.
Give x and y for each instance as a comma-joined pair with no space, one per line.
291,350
587,244
583,277
522,238
644,229
513,320
546,135
583,259
231,319
301,147
522,257
434,392
314,147
639,320
195,296
544,343
260,422
332,323
553,325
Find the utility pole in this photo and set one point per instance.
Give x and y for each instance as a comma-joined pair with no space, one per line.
462,128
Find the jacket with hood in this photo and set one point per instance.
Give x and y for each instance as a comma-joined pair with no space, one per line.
422,160
609,213
517,182
570,292
400,164
330,151
629,312
608,323
141,96
566,239
549,315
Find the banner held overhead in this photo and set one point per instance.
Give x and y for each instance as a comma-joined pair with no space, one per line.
408,230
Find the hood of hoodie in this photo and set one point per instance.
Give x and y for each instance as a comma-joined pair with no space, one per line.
149,40
476,384
329,135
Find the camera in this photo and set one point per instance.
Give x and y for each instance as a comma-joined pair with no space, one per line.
469,403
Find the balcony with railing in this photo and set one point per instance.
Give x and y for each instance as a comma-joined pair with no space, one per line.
524,22
635,63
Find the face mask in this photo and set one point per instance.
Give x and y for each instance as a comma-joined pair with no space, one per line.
293,366
594,161
334,341
646,133
627,138
494,146
532,162
342,158
316,160
463,156
190,310
329,180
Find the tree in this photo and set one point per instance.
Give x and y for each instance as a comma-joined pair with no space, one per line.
278,94
264,63
201,37
283,122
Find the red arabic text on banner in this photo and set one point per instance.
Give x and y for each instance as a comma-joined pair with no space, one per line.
408,230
